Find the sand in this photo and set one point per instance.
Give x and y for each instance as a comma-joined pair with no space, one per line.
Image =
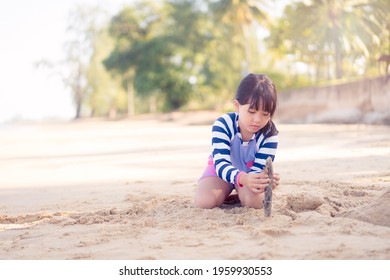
124,190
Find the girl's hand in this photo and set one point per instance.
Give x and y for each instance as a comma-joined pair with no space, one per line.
256,182
276,180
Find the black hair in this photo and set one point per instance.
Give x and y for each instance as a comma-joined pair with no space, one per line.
256,90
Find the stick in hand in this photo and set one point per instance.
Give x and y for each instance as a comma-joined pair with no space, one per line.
267,202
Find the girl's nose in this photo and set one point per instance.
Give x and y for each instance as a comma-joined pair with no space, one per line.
257,118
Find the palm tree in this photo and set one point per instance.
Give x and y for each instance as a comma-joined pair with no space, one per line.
330,30
241,14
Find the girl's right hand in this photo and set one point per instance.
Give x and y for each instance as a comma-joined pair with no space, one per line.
256,182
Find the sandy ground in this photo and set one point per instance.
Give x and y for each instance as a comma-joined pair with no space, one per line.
124,190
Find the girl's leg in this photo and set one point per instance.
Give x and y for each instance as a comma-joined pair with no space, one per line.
211,192
249,198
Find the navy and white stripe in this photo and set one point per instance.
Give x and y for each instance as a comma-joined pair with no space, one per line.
224,130
265,147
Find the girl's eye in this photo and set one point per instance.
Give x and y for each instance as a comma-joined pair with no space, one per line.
251,111
266,114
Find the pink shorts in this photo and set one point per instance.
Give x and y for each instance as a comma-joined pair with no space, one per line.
211,172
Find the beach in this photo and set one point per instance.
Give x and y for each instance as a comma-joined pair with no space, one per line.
113,190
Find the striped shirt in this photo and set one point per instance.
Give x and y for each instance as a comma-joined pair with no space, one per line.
231,155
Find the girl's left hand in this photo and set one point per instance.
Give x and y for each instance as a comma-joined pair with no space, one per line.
276,180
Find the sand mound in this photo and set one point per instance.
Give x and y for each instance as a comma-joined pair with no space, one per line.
377,212
299,202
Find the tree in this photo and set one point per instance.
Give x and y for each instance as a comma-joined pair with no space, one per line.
82,30
131,27
326,32
159,44
106,96
241,16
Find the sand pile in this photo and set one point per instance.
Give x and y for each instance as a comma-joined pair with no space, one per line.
377,212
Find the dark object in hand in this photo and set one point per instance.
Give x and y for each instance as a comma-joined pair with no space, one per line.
267,202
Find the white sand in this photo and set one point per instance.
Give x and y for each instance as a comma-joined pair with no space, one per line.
124,190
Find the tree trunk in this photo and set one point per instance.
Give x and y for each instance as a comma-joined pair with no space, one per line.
130,99
338,60
78,109
153,104
247,49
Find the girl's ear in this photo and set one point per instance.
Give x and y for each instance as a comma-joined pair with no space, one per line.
236,105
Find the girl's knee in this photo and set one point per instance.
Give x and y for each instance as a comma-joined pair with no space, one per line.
211,193
253,201
206,202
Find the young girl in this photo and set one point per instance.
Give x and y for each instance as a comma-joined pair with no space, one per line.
241,143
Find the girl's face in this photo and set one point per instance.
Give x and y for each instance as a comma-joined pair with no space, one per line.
250,120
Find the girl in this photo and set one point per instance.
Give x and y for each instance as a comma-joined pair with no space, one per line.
241,142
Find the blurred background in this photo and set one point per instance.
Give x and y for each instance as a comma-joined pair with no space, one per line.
118,59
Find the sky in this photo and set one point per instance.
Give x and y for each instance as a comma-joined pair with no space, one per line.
31,31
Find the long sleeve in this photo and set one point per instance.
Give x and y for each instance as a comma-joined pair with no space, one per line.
266,147
225,136
223,132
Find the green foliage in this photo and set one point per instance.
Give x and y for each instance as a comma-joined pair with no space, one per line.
153,52
192,54
332,37
107,97
286,82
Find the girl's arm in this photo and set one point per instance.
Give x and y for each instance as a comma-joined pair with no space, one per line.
222,133
266,148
